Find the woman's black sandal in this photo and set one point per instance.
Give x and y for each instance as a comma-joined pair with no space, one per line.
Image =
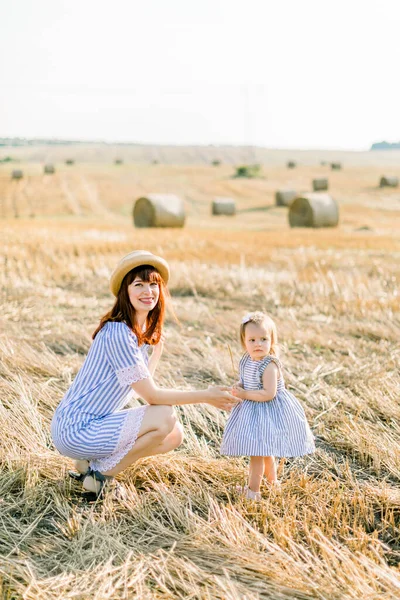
105,481
78,476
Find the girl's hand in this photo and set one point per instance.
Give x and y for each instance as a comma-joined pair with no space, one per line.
220,397
238,391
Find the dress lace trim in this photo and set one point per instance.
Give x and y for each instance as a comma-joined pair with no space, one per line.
132,374
127,439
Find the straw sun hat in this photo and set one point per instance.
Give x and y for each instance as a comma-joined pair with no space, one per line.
136,259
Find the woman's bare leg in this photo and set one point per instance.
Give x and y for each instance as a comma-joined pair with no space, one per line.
151,448
172,441
159,419
81,465
159,433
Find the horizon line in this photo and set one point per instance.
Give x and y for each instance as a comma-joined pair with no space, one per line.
66,141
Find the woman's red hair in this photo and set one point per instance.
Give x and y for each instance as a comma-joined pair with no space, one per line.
125,312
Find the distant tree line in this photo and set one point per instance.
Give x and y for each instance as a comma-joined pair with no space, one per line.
33,142
54,142
385,146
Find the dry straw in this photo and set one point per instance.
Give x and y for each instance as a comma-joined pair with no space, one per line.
159,210
234,371
332,532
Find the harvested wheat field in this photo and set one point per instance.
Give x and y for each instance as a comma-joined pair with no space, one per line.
333,530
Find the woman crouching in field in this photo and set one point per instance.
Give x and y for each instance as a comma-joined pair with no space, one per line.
89,424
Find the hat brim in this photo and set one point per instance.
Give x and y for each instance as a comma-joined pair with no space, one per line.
133,260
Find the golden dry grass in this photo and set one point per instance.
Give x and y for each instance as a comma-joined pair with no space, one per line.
333,530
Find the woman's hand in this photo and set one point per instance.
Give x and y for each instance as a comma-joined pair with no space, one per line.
221,397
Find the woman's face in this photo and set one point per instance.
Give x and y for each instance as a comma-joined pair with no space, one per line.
143,294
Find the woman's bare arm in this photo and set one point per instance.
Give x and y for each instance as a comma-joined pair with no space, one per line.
220,397
156,353
153,361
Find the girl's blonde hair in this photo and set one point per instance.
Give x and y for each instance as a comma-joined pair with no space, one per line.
259,318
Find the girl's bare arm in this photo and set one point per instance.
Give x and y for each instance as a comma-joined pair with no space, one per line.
270,383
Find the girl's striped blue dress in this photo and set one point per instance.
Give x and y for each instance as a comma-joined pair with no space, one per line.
275,428
89,422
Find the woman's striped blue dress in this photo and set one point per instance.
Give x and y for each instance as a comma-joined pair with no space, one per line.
275,428
89,423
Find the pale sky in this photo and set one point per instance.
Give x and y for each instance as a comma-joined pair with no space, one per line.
274,73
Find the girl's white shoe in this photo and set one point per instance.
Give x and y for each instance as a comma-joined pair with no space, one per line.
275,484
250,495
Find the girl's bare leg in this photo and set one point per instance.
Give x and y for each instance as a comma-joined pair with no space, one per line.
256,472
270,469
280,468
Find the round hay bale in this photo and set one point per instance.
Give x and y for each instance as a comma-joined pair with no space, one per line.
313,210
159,210
223,206
291,164
320,184
336,166
284,197
17,174
69,161
49,169
389,182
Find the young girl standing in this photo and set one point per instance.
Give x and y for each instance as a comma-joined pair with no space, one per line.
270,421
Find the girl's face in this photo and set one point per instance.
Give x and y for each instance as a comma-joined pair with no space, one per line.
257,340
143,294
